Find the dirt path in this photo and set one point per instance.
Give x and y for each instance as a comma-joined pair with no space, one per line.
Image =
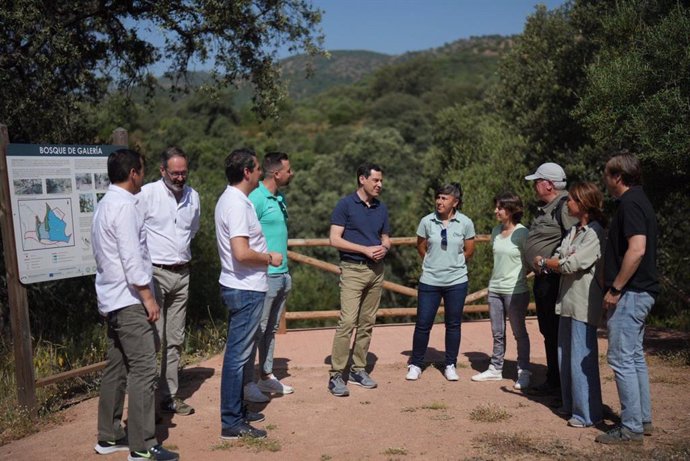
427,419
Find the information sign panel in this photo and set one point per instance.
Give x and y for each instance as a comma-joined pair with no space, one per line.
54,190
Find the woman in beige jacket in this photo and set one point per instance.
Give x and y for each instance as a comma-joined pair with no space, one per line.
580,295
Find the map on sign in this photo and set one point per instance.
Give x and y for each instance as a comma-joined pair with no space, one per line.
45,223
54,192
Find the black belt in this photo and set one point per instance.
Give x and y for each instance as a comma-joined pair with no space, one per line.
172,267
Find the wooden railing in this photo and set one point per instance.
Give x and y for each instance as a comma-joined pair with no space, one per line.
318,315
387,285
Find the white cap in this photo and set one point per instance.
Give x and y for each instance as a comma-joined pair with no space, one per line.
549,171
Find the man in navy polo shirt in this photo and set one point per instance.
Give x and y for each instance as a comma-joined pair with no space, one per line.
360,231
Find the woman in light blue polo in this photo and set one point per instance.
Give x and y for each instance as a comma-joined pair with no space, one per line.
445,241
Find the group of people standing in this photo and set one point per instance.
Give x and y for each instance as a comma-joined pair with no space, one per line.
592,277
580,275
141,241
142,244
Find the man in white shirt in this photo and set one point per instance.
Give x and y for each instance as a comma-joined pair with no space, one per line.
125,298
244,258
171,213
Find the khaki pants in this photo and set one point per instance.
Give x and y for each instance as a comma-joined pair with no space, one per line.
172,293
132,367
360,294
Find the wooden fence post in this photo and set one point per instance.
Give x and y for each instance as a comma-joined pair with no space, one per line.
16,292
120,137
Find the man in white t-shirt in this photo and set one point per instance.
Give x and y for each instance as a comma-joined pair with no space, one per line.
171,213
244,258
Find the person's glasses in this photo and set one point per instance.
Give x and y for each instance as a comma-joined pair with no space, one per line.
444,238
177,174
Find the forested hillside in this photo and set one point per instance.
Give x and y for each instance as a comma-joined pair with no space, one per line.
580,82
358,106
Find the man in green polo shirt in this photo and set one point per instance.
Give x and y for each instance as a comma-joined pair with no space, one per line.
271,209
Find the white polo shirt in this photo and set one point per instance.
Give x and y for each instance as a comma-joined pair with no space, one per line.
235,217
118,241
170,225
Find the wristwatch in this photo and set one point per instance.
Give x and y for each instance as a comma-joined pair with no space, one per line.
614,291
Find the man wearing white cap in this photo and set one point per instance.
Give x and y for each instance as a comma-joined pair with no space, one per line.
545,234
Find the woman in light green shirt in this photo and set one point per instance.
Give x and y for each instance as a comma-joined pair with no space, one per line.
508,291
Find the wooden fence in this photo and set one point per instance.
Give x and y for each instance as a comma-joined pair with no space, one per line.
318,315
397,288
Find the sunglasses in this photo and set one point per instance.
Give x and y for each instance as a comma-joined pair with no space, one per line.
444,237
282,206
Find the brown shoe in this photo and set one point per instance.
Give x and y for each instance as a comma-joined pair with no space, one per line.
177,406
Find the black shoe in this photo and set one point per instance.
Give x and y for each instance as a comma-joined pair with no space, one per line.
107,447
620,435
544,388
253,417
242,430
157,453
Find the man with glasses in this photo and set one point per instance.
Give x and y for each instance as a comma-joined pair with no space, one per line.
171,213
271,209
548,228
360,231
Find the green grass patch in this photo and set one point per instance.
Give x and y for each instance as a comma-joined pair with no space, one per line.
489,413
255,445
260,445
222,446
668,379
395,451
520,445
434,406
677,358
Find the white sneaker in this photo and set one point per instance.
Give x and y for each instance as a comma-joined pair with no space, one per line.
273,386
413,373
450,373
523,379
252,393
491,374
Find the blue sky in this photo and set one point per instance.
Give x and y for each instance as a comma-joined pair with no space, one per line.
398,26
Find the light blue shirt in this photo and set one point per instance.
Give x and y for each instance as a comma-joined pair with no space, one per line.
445,265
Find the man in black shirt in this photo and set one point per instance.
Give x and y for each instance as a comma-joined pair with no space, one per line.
632,284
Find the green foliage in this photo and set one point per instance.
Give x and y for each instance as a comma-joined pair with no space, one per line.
485,155
638,93
596,76
340,67
56,55
579,81
541,79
